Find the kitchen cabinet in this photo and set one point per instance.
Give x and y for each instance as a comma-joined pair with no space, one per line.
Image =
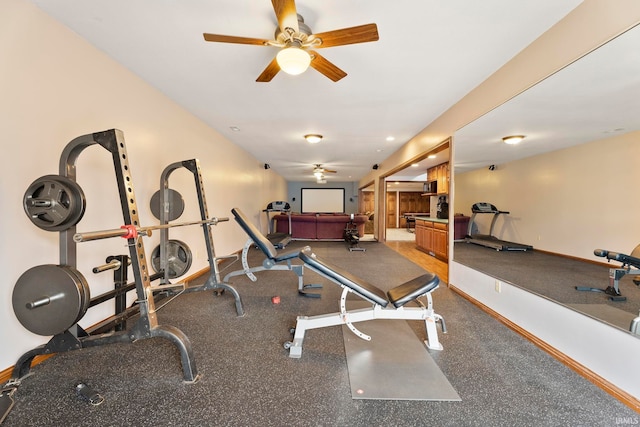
432,237
440,174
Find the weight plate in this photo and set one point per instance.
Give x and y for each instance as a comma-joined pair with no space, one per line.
85,297
174,202
179,258
49,299
54,203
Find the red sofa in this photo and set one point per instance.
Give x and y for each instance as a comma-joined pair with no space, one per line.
318,226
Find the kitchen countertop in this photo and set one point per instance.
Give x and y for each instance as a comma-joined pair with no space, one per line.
428,218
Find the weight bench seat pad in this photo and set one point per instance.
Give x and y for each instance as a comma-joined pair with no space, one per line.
260,240
398,296
402,294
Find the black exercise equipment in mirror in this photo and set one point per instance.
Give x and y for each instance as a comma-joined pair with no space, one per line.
489,240
179,258
54,203
615,274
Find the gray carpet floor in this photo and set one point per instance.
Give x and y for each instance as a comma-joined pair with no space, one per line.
249,380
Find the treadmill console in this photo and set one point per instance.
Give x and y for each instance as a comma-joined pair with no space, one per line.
279,206
483,207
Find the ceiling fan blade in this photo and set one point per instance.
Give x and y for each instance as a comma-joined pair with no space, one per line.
325,67
330,171
269,73
286,13
233,39
352,35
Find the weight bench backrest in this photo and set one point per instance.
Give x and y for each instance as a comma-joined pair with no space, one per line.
361,287
258,238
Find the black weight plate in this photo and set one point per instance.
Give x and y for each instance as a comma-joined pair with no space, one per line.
67,289
174,201
54,203
84,290
179,258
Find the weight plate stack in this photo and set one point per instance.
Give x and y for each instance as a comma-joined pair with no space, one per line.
49,299
54,203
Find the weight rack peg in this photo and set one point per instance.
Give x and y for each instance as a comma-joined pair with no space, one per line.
131,232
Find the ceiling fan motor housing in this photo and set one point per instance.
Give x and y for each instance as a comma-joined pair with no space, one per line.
301,36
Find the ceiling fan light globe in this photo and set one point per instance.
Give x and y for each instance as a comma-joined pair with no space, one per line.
293,60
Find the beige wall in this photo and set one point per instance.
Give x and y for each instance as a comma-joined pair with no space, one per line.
55,87
569,201
588,26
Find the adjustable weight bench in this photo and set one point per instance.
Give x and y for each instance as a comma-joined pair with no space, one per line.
273,257
615,274
389,305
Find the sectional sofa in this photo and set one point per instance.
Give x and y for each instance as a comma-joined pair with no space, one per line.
318,226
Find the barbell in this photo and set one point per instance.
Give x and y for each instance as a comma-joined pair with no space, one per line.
131,231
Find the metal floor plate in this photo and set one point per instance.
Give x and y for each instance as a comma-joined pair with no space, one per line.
394,365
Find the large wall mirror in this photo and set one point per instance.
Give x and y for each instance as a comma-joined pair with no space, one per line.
570,186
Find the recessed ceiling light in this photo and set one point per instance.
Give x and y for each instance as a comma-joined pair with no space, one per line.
432,156
390,138
415,165
513,139
313,138
379,150
235,128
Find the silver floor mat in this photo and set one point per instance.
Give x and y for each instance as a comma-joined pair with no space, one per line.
394,365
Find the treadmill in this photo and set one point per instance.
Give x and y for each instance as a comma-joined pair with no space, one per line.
489,240
279,240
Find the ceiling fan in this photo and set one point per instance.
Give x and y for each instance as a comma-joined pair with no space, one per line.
319,171
297,42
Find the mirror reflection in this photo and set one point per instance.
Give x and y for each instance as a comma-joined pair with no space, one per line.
566,190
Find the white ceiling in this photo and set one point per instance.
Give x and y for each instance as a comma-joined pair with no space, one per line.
594,98
430,54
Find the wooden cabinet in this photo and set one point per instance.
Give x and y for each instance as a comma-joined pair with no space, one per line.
440,174
440,240
411,201
432,238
